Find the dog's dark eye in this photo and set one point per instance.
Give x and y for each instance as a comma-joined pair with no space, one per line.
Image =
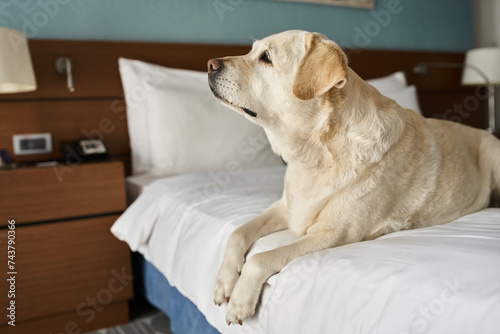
264,57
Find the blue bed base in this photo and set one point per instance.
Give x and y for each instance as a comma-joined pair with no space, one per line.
185,318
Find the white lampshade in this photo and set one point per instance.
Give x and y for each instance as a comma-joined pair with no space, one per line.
16,70
487,60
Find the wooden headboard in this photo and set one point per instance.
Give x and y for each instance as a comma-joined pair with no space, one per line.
97,109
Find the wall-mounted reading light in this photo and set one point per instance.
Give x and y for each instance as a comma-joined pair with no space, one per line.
64,66
16,69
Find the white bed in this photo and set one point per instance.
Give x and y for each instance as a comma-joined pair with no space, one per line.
441,279
201,172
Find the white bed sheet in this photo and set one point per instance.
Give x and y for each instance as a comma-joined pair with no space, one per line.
441,279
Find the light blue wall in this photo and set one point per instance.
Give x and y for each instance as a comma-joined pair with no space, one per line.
418,24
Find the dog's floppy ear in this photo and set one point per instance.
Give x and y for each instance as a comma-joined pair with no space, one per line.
323,67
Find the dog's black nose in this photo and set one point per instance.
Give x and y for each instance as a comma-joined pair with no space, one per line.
214,65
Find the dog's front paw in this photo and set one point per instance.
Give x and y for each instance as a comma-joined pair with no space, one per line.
224,284
241,305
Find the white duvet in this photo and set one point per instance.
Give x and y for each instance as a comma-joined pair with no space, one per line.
441,279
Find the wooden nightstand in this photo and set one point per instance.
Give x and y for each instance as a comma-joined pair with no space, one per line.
71,274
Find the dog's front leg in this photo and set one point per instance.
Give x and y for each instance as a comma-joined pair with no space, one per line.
271,220
263,265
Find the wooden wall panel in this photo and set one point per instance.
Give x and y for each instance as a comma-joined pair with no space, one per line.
459,106
97,82
376,63
96,64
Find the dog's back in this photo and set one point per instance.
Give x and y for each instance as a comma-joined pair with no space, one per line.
469,171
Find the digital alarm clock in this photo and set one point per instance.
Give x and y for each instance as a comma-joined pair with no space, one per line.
34,143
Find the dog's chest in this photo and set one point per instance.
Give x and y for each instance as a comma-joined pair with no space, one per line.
307,194
321,199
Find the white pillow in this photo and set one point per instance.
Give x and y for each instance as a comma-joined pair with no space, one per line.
390,83
407,98
187,129
394,86
135,76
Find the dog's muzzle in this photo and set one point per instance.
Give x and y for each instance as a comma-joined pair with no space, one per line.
215,67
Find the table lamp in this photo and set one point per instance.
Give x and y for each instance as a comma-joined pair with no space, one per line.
16,69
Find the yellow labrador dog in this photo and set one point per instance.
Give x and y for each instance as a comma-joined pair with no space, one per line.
359,165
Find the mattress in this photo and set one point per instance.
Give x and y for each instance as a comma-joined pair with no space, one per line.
185,318
440,279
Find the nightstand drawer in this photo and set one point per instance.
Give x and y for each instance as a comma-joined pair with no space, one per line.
48,193
75,267
71,322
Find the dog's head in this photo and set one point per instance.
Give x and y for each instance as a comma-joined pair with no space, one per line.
298,87
278,83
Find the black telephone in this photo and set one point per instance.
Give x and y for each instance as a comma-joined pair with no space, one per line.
5,158
85,150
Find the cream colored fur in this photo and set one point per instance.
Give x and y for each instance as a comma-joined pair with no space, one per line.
359,165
